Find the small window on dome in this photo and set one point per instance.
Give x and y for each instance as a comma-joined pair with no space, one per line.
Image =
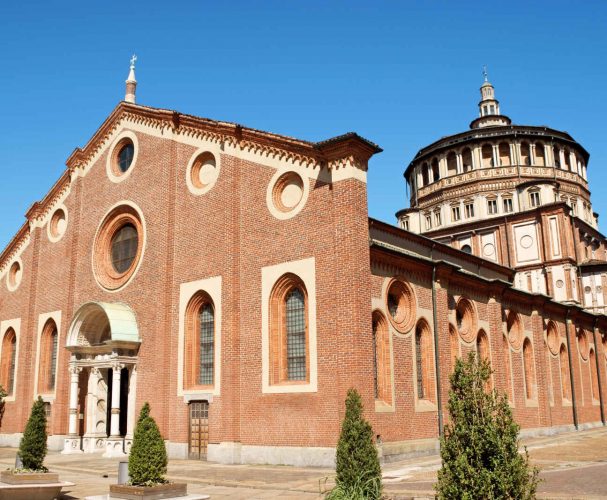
125,157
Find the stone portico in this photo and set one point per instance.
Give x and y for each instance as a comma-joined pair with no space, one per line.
103,341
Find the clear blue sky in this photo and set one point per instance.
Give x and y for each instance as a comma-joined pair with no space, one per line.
400,73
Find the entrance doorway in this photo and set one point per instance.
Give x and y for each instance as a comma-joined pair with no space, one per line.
199,430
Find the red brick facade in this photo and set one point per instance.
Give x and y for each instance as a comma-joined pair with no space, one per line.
235,234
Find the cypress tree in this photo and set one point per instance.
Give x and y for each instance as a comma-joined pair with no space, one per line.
32,448
480,447
357,462
148,457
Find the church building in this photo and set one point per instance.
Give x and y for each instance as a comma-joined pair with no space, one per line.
233,279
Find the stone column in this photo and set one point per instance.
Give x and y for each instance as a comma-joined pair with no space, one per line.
74,379
72,441
115,421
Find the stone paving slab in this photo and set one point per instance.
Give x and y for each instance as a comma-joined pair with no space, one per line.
573,465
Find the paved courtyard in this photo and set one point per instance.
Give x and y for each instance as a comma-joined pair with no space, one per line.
574,465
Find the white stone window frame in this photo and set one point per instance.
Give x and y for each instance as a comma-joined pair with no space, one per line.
279,214
15,324
305,270
12,287
43,318
212,287
215,151
111,157
49,233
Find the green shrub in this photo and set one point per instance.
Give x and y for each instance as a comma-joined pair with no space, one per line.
148,457
358,473
480,447
32,448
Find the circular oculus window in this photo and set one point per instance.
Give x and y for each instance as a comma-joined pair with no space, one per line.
122,157
515,331
400,304
553,341
118,247
13,278
465,316
287,194
57,225
202,172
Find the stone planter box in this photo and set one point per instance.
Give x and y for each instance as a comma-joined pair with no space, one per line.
170,490
46,491
9,477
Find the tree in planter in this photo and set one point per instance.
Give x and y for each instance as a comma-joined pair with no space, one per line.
32,448
358,474
148,457
479,450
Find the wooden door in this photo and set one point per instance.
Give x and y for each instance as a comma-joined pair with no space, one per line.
199,430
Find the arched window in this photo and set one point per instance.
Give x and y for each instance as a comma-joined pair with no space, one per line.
7,363
508,379
435,170
482,346
504,154
565,378
567,159
525,154
289,331
451,164
556,154
530,384
48,358
467,159
454,344
423,361
540,154
199,343
593,375
381,359
425,179
487,156
482,351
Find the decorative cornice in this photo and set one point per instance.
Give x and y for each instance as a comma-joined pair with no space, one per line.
346,150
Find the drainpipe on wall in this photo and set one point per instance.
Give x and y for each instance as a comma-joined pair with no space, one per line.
439,398
598,373
573,402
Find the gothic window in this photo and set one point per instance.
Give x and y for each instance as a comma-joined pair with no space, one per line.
8,360
423,361
48,358
565,378
508,205
593,375
428,221
467,159
454,344
525,154
455,214
289,331
381,359
199,345
482,351
530,384
435,170
506,352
